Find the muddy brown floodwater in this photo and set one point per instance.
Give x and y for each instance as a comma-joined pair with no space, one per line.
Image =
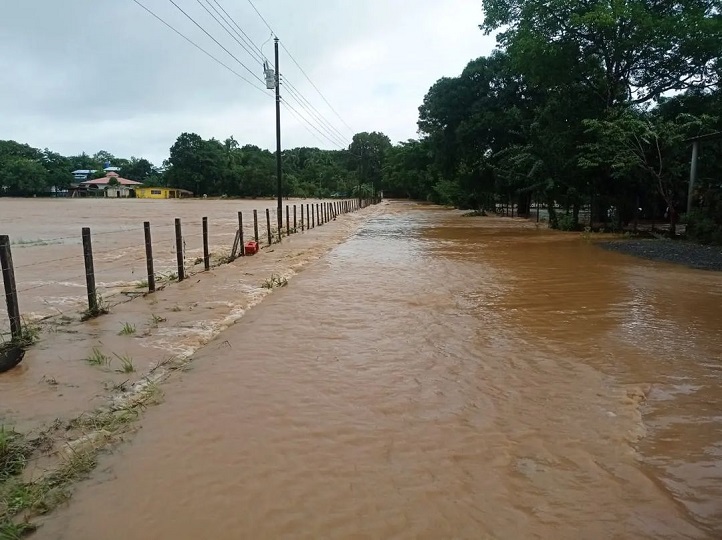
47,247
438,377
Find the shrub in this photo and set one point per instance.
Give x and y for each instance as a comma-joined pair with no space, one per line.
702,228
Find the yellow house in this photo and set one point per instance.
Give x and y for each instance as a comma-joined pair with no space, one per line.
162,193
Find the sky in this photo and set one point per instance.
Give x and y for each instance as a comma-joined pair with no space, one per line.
87,75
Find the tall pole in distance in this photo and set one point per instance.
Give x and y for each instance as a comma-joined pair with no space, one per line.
278,142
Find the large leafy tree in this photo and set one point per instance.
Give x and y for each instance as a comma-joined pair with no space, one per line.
626,51
367,155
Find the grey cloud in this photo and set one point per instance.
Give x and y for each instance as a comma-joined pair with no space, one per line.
80,75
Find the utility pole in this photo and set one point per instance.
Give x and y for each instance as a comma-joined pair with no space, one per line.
278,142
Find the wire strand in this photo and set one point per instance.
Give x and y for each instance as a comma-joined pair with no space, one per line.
229,32
189,40
248,38
217,42
313,112
292,108
302,70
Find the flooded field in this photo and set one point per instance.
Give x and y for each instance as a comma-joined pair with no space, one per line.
433,376
48,254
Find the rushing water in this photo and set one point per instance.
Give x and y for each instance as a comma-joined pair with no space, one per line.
47,245
438,377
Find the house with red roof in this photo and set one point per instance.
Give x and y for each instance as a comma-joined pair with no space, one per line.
111,185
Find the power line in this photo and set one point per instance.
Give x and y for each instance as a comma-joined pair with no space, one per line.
317,114
202,49
230,32
302,121
292,108
217,42
261,16
248,39
302,70
319,122
316,88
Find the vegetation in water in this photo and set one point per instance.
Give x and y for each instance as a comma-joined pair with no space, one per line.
127,329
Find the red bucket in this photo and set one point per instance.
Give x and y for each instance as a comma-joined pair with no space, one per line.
251,248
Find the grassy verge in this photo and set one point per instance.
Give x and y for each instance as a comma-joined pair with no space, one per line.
72,449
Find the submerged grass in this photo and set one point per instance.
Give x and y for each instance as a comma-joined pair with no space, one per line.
97,358
22,500
127,329
274,282
126,363
101,308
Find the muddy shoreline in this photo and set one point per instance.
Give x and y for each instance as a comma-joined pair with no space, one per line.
676,252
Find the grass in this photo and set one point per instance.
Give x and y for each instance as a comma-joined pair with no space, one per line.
29,335
23,499
100,309
127,329
142,284
274,282
97,358
126,363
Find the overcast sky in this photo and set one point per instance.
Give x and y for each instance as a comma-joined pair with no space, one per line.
86,75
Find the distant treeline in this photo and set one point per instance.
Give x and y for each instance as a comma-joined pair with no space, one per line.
209,167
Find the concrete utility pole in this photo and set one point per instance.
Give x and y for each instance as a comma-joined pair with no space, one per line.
279,172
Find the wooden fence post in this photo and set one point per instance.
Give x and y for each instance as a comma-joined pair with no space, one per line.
149,257
11,291
179,249
288,223
242,249
206,254
295,226
255,225
89,272
268,226
308,217
313,217
303,220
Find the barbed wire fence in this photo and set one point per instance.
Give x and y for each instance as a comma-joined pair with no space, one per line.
114,267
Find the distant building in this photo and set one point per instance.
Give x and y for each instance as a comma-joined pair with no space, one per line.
162,193
83,174
112,185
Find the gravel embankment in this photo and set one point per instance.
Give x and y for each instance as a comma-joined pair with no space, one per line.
678,252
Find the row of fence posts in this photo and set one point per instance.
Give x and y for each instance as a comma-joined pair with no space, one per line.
316,214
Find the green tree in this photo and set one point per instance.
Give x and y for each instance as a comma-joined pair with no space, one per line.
626,51
367,154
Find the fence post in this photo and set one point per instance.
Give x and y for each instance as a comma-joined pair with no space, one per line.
268,226
242,250
255,225
295,226
179,249
308,217
303,220
206,255
89,272
313,217
288,223
149,257
11,291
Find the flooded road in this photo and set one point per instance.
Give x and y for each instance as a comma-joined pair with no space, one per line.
438,377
